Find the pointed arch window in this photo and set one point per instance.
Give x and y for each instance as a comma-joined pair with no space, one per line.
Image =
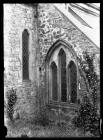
54,81
61,74
62,69
72,81
25,54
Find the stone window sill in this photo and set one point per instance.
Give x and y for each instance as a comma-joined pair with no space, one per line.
26,82
67,105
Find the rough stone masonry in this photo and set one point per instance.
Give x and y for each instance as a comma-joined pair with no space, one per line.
45,25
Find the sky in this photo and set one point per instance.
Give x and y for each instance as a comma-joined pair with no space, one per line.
92,32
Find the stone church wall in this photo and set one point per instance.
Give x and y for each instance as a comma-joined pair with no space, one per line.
18,17
45,27
52,26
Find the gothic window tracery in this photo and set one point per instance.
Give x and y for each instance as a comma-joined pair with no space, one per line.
62,75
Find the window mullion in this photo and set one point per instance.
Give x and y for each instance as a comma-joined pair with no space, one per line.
59,81
69,85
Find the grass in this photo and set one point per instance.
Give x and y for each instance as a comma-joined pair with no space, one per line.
20,127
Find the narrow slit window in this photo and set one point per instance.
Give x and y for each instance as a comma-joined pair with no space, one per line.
25,54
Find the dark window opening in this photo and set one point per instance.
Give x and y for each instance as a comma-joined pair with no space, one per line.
73,81
25,44
62,64
54,81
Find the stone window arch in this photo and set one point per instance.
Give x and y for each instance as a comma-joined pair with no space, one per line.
25,54
61,74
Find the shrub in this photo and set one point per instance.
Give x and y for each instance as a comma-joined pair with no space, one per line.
12,98
87,118
42,117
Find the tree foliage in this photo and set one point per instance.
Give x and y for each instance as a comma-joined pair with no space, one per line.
87,118
93,80
12,98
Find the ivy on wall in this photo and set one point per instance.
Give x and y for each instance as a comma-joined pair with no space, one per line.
93,81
